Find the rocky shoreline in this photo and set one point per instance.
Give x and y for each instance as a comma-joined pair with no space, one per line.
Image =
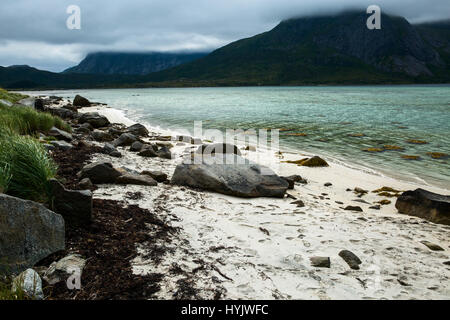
144,226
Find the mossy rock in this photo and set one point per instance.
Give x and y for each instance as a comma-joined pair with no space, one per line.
384,202
414,141
437,155
393,147
357,135
408,157
373,150
388,195
297,162
386,189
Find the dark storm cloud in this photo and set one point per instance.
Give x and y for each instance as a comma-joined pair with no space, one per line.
34,32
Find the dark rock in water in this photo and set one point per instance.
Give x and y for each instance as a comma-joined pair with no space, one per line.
80,101
157,175
86,183
320,262
108,148
142,180
425,204
125,139
138,130
29,232
136,146
219,148
94,119
353,208
299,203
230,174
164,153
147,152
432,246
60,134
99,172
63,145
99,135
75,206
352,259
39,104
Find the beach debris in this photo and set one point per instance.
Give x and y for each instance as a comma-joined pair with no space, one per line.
157,175
339,202
299,203
99,172
30,283
232,175
353,208
218,148
29,232
425,204
409,157
62,269
80,101
137,130
125,139
328,184
142,180
265,231
94,119
414,141
402,280
384,202
361,201
393,147
437,155
320,262
352,259
432,246
373,150
75,206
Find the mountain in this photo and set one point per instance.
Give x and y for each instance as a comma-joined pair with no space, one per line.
337,49
131,63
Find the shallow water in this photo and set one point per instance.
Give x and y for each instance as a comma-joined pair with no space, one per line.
386,115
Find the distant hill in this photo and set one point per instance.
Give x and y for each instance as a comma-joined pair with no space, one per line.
131,63
335,49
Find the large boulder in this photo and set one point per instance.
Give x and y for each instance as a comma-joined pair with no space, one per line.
213,148
80,101
138,130
147,151
99,172
164,153
125,139
29,232
60,134
94,119
425,204
230,174
75,206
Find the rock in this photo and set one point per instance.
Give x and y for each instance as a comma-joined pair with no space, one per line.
447,263
63,145
94,119
320,262
29,232
359,190
99,135
425,204
48,147
328,184
62,113
220,148
290,182
125,139
64,268
148,152
297,178
115,154
136,146
353,208
164,153
138,130
315,162
432,246
157,175
75,206
99,172
39,105
165,144
108,148
29,282
142,180
375,207
60,134
299,203
80,101
70,107
232,175
352,259
189,139
86,184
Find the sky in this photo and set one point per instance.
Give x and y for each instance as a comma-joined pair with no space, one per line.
34,32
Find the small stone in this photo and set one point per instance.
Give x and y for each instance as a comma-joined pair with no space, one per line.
85,183
157,175
328,184
30,283
60,134
375,207
352,259
320,262
136,180
432,246
353,208
299,203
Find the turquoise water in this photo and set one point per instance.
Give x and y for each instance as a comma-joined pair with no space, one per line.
386,115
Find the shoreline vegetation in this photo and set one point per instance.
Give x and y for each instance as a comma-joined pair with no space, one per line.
139,224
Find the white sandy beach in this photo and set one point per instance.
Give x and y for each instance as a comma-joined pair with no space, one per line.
260,248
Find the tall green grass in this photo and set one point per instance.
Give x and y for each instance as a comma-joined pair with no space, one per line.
29,168
11,96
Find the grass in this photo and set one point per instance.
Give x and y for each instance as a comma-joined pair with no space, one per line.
11,96
7,294
5,177
27,168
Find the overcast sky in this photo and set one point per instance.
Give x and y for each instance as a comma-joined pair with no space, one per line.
34,32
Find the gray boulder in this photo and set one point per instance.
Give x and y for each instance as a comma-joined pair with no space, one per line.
157,175
86,183
75,206
142,180
94,119
125,139
99,135
60,134
213,148
80,101
99,172
147,152
425,204
352,259
136,146
63,145
29,282
138,130
62,113
230,174
29,232
164,153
